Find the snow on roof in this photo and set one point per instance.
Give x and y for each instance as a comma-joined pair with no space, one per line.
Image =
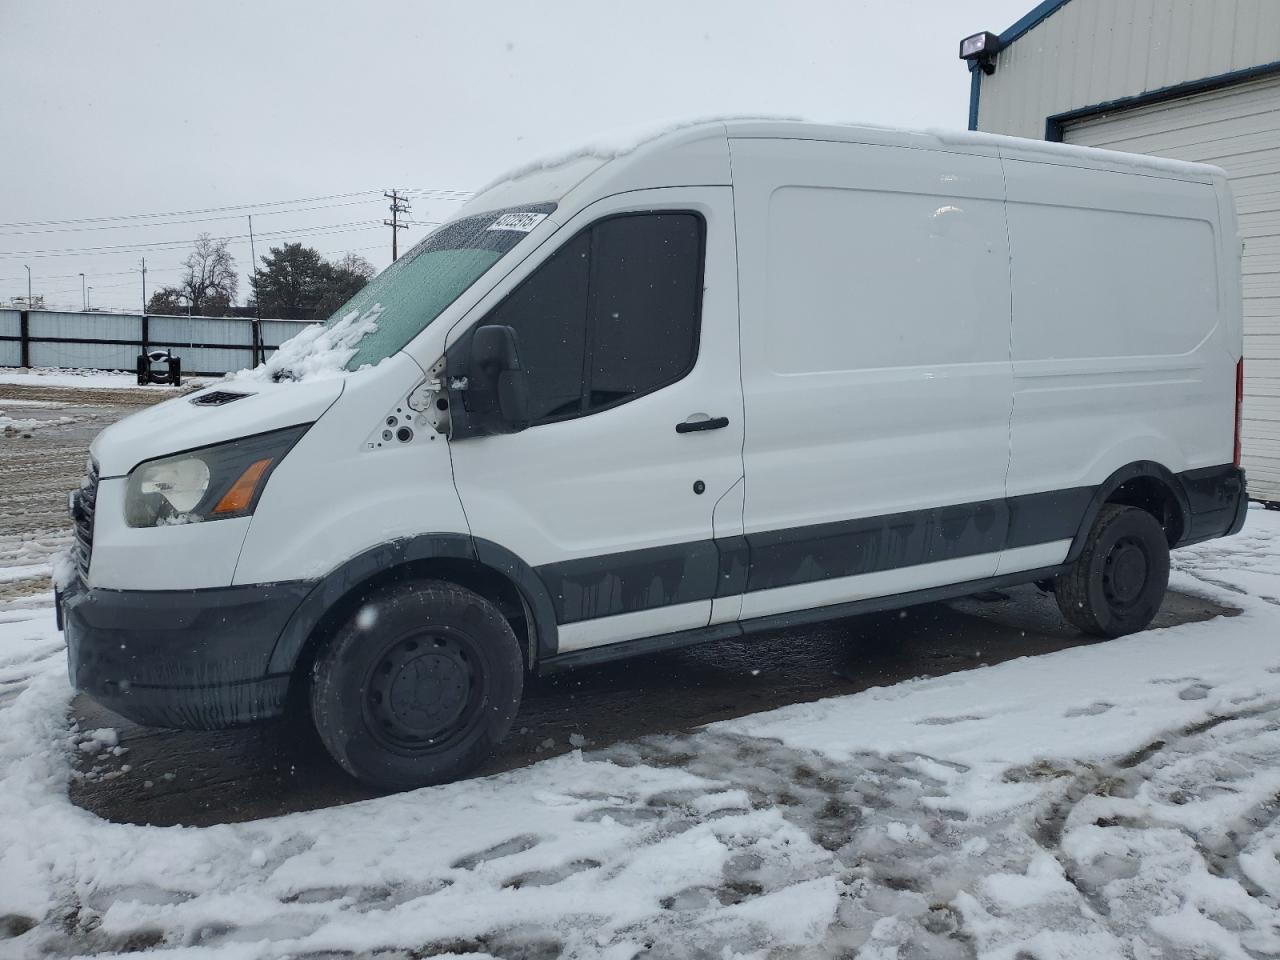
611,144
1091,155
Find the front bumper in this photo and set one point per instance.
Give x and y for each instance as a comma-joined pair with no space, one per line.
193,659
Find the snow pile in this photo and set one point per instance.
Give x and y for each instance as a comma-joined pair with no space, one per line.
318,351
77,377
1112,800
23,572
23,556
10,426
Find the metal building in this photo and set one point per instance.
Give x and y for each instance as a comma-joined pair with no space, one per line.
1188,79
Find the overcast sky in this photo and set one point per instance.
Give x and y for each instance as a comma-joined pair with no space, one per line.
133,107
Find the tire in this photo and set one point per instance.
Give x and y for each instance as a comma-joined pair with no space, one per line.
1118,582
418,687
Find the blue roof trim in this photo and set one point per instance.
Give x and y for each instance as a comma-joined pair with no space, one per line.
1055,126
1032,20
975,94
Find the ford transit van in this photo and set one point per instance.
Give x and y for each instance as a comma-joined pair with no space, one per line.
741,376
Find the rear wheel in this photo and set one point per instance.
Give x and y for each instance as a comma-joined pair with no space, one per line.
1118,582
419,686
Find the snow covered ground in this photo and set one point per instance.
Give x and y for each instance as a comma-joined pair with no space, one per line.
58,377
1115,800
68,377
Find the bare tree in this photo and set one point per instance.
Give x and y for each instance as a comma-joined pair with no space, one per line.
211,282
354,265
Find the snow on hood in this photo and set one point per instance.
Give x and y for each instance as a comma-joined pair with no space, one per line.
320,351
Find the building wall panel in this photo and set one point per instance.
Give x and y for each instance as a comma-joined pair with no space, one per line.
1095,51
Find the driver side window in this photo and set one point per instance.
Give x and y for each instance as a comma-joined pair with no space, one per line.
610,316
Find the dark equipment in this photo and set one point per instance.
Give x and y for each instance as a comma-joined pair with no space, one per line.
172,372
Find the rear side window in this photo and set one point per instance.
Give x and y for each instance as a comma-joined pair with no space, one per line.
610,316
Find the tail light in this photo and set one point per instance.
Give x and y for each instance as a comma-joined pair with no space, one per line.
1239,407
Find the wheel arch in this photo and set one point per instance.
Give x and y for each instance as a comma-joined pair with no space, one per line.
1145,484
479,565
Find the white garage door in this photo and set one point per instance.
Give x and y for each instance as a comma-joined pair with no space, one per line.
1237,128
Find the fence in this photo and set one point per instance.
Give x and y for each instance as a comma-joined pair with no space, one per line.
208,346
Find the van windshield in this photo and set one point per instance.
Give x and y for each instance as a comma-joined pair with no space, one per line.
413,291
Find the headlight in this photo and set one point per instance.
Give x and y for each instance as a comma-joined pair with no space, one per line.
210,483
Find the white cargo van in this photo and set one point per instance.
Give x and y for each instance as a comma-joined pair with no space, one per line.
744,375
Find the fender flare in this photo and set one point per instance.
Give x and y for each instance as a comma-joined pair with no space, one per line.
338,583
1101,493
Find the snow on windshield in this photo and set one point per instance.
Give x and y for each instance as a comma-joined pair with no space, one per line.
319,351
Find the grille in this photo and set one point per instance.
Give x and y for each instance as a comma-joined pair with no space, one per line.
217,398
83,504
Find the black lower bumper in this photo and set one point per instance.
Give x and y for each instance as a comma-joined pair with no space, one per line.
193,659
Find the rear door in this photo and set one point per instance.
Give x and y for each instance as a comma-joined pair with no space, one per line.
628,329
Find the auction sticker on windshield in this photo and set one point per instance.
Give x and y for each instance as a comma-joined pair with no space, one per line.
521,222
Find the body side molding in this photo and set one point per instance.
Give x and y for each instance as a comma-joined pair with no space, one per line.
723,631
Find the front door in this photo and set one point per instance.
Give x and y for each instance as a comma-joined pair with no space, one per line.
628,331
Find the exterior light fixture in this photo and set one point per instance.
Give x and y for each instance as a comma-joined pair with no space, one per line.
981,49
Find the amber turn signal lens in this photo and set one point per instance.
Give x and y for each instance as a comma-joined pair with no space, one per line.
241,493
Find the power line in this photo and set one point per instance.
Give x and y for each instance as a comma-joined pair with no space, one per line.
426,193
318,230
174,223
186,213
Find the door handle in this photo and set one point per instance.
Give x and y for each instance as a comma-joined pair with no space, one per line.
700,421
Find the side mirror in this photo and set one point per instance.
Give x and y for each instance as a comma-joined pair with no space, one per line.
497,393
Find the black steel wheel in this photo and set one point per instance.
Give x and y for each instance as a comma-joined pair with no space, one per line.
1119,580
419,686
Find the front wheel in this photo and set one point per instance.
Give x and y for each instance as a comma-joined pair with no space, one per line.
419,686
1118,582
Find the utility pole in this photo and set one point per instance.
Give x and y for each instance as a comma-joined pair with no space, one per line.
84,296
144,285
28,286
258,352
399,205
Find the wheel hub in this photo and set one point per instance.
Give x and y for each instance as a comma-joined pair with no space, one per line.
1126,572
420,689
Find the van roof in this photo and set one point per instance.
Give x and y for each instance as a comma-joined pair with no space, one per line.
552,178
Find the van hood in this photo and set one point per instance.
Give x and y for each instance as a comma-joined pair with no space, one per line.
224,411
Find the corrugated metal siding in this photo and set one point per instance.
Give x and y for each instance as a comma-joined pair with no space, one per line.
232,338
1237,128
276,332
1095,51
183,330
10,326
83,326
90,356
